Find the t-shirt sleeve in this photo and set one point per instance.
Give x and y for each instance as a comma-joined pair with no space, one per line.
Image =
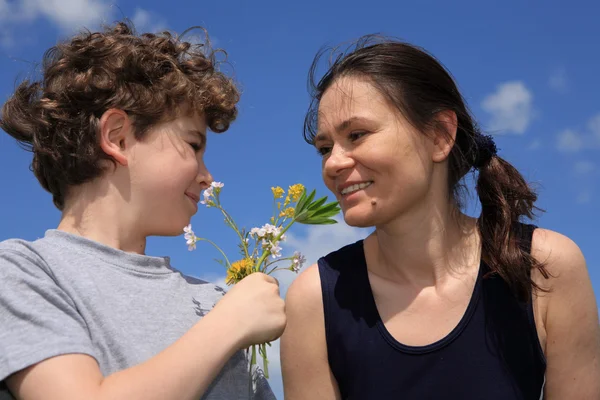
38,319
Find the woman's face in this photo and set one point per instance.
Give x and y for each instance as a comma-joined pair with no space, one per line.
374,161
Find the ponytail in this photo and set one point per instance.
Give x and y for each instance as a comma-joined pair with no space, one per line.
505,199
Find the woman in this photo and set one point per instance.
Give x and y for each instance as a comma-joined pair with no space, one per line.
433,304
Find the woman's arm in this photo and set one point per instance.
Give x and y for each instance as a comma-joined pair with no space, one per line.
306,372
571,320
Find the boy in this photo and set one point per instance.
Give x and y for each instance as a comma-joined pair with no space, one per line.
117,128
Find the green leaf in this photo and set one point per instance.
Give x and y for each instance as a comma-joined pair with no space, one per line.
326,211
304,201
318,221
310,198
333,206
301,202
318,203
302,216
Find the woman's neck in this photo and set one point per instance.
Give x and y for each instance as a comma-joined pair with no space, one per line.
424,247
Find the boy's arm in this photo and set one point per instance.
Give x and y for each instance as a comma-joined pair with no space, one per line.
182,371
251,312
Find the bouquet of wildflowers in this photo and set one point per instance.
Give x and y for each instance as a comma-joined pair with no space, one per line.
259,247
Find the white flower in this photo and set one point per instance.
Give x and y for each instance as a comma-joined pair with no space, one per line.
207,194
275,249
217,184
188,230
298,261
190,237
260,232
189,233
269,228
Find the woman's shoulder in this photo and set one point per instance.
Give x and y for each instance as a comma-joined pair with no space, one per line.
566,282
305,290
559,254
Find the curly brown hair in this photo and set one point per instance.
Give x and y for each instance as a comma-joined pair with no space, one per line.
151,77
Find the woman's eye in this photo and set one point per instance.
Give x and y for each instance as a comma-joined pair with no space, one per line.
323,150
356,135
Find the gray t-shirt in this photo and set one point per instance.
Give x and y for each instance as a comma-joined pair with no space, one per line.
66,294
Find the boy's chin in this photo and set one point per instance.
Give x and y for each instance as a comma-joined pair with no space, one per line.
173,229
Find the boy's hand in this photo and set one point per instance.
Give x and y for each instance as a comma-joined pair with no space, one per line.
255,308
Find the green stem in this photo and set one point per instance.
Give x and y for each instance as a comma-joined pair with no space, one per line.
253,360
216,247
265,361
234,226
275,211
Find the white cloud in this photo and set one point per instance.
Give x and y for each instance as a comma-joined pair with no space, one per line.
317,241
145,21
67,15
569,141
584,167
511,108
558,80
584,197
594,128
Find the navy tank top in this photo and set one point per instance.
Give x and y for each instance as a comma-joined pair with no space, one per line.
493,353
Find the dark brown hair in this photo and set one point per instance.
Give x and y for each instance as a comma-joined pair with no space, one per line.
420,87
151,77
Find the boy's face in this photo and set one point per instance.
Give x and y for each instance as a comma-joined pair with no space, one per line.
167,174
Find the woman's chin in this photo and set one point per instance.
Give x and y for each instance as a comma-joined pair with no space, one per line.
358,218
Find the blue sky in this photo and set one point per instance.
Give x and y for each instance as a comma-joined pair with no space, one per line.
528,71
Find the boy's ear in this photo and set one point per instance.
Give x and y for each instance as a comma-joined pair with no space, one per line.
115,134
444,135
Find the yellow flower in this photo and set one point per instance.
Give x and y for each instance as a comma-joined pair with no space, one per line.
239,270
277,192
295,191
288,212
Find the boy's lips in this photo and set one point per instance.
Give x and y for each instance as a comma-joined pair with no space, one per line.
193,196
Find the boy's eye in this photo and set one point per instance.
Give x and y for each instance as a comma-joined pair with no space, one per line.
196,147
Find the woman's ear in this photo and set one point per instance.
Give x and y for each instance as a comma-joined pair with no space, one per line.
444,135
116,135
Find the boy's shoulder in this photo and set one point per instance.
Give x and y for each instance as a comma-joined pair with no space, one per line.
27,249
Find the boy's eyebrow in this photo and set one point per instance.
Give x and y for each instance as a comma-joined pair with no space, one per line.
198,133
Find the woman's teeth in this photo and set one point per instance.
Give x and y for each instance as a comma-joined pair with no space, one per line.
355,188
